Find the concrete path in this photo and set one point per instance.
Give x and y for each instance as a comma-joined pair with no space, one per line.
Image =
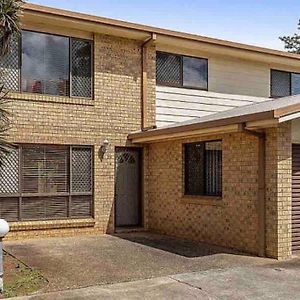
258,282
77,262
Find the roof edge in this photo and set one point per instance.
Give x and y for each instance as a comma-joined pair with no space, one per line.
266,115
160,31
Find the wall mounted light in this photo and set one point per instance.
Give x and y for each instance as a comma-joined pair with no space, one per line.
104,148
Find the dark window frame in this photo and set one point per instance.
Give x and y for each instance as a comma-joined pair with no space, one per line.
204,194
20,194
181,85
290,80
70,38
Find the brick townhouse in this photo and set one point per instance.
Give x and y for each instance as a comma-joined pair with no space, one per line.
126,126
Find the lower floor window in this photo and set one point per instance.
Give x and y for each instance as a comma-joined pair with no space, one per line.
42,182
203,168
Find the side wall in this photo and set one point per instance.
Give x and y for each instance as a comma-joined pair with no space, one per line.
233,220
278,191
230,222
180,104
114,112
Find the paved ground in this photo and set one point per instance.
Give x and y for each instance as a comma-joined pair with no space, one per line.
70,263
257,282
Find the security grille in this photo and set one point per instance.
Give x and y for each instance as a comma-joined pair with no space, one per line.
168,69
81,170
194,162
203,168
9,173
124,157
10,67
213,168
44,176
280,83
81,68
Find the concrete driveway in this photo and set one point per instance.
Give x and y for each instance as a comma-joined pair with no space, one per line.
256,282
70,263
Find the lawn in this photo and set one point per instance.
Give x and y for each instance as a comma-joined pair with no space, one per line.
20,280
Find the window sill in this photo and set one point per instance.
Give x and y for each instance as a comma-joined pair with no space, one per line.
51,224
182,87
50,98
202,200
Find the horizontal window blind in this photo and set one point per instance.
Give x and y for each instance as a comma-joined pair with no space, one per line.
9,208
45,169
81,206
43,208
56,183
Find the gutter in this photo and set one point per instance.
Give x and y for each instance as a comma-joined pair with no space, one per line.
179,131
74,16
261,203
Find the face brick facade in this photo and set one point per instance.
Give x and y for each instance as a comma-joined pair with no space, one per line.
112,114
231,220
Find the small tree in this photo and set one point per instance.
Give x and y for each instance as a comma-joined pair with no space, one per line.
292,43
9,27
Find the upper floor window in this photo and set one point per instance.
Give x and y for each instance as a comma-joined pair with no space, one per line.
49,64
284,83
203,168
181,71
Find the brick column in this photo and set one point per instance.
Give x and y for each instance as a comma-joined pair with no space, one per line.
278,191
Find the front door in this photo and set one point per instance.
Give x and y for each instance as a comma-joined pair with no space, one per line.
127,187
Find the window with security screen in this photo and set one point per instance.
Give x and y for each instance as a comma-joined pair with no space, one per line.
284,83
49,64
181,71
81,85
42,182
10,66
203,168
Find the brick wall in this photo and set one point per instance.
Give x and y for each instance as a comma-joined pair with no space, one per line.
278,191
115,112
231,221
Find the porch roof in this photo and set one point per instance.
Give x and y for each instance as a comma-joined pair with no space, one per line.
254,117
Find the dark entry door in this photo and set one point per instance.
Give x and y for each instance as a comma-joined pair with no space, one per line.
296,197
127,187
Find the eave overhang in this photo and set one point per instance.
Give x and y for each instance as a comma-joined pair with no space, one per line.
255,121
46,16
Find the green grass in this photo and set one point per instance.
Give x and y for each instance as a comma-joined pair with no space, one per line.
23,281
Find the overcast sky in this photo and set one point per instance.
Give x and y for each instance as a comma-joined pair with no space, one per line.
251,22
